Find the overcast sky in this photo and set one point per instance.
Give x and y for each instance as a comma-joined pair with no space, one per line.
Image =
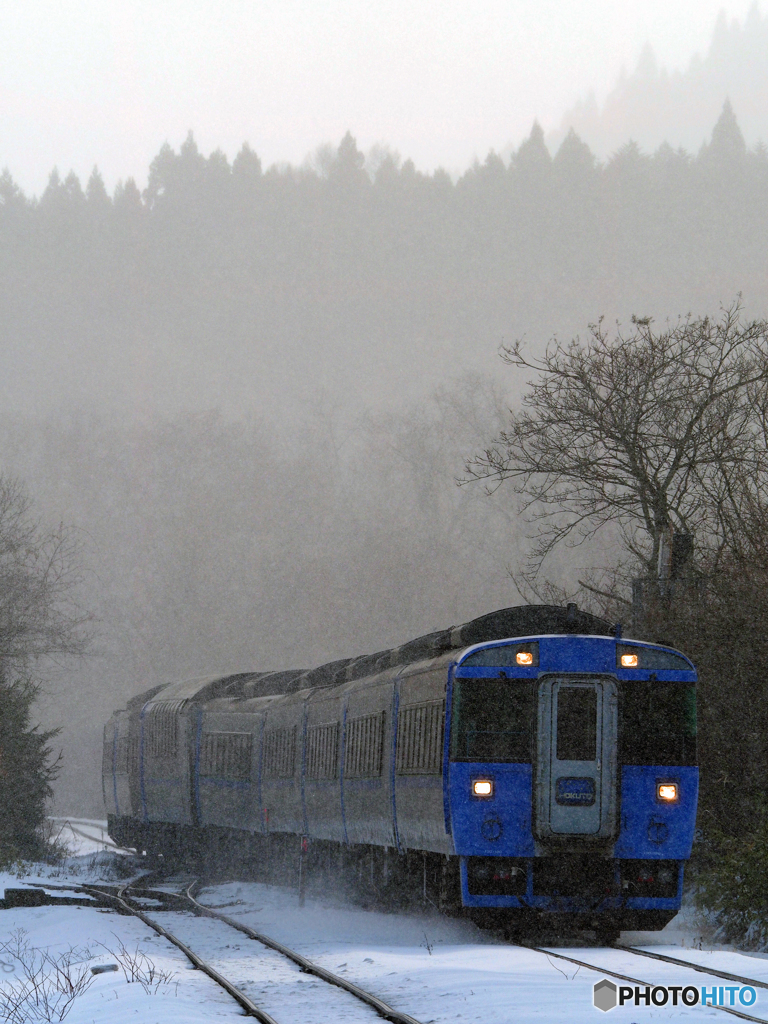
108,81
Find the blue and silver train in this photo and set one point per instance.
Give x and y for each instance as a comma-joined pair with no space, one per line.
531,765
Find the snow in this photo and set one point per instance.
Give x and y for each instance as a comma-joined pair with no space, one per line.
439,970
83,835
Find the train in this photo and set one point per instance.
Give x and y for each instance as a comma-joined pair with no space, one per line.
530,768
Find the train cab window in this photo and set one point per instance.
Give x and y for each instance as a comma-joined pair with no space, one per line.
653,659
658,723
493,720
576,723
504,656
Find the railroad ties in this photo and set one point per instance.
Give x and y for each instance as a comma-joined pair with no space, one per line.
118,898
126,899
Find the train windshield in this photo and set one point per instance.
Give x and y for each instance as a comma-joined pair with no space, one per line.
493,720
658,723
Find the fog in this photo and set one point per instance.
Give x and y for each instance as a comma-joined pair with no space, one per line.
214,546
658,103
107,83
250,387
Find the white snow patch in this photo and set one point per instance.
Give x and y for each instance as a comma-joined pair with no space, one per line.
439,970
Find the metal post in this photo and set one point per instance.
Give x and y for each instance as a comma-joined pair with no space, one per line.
302,869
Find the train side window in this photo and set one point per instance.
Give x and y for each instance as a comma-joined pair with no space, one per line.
226,755
420,738
323,751
658,723
364,746
162,731
280,753
121,757
493,720
107,750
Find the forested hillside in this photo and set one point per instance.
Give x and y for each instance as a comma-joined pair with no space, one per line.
653,103
234,287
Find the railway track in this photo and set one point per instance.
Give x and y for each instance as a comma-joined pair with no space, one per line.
694,967
611,962
125,898
662,958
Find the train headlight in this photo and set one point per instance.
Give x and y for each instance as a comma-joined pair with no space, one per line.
524,658
666,791
629,661
482,788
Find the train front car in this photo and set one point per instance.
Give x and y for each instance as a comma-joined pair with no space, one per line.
571,782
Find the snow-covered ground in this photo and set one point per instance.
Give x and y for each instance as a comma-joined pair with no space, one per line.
436,969
82,835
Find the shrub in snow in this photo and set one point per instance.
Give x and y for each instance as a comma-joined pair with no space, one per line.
732,885
44,985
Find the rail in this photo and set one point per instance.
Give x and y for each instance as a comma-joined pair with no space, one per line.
186,900
382,1008
648,984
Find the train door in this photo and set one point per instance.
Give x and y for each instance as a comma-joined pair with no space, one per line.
576,758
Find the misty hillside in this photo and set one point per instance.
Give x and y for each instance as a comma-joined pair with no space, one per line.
250,390
653,105
227,286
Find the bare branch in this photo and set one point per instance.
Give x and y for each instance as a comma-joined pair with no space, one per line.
647,429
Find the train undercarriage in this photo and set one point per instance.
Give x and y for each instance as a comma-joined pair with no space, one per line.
557,896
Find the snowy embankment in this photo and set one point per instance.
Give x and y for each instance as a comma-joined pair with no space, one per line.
434,968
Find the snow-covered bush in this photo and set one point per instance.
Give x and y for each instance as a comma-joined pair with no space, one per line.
732,885
45,984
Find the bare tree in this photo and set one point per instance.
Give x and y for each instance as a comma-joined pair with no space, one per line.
39,575
648,430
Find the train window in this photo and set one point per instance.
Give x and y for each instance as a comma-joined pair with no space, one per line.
652,659
226,755
280,753
576,723
493,720
133,752
121,757
107,750
162,731
323,751
658,723
506,656
420,738
364,746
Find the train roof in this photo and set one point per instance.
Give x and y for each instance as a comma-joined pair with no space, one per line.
521,620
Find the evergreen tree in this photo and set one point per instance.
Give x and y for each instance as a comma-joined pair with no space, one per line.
10,193
348,168
532,163
727,146
246,168
574,163
127,196
96,193
27,768
38,620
